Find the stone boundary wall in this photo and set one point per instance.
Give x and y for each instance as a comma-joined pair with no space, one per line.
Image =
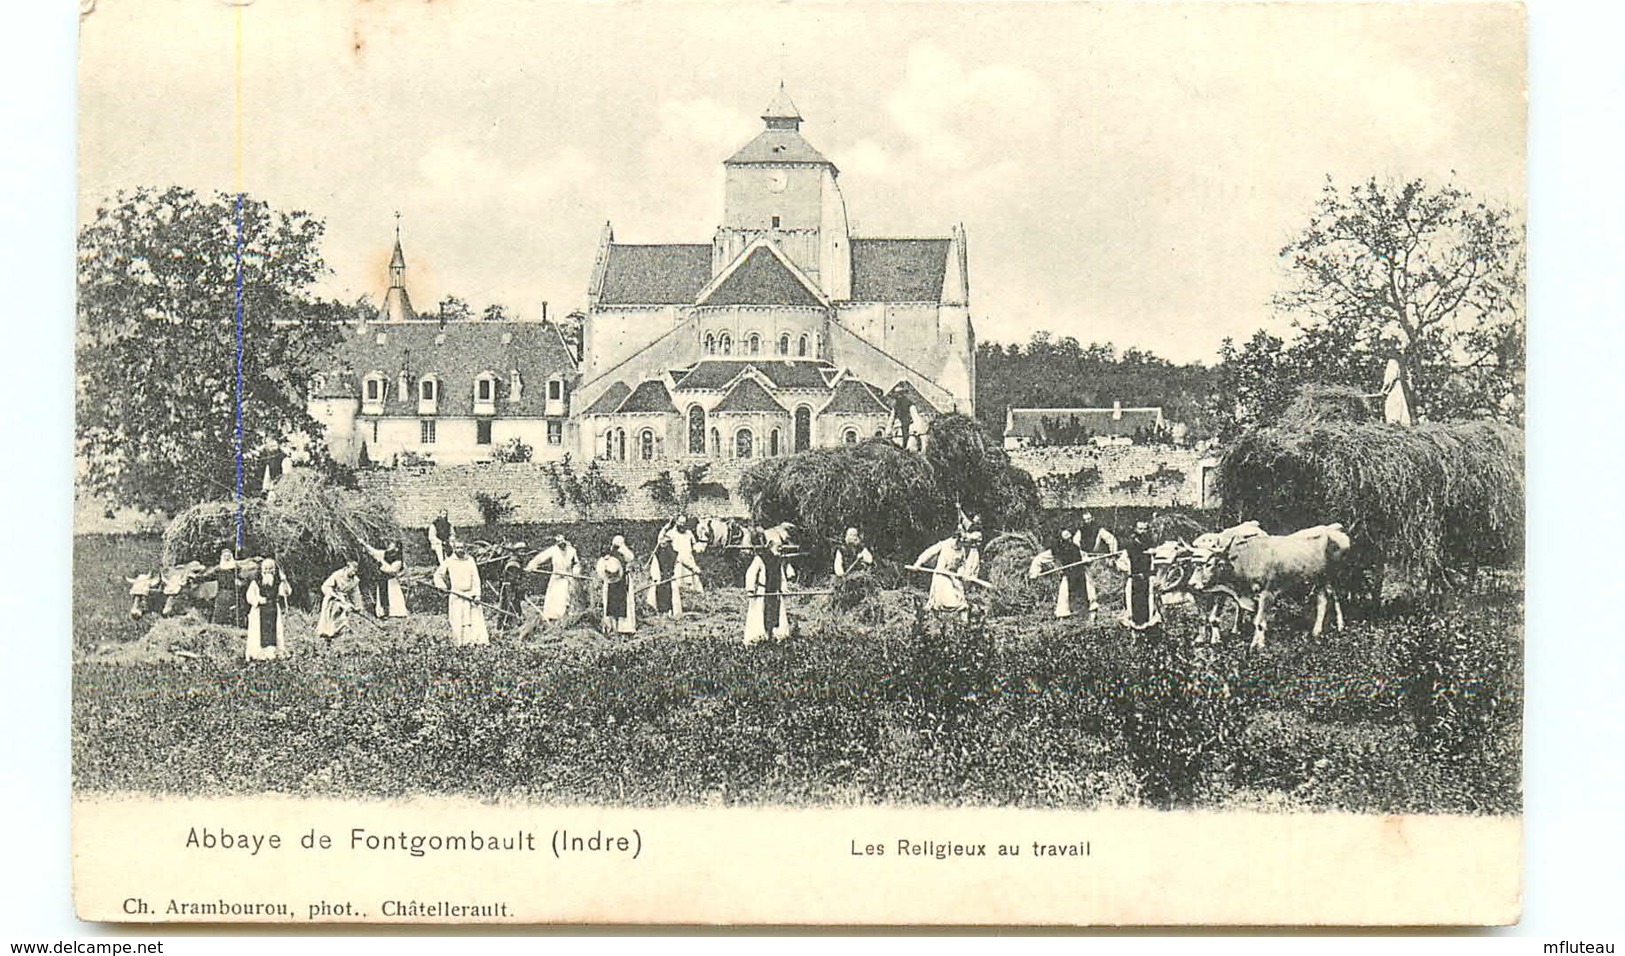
420,493
1119,466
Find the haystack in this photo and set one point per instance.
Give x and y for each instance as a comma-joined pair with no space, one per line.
1422,498
309,524
973,469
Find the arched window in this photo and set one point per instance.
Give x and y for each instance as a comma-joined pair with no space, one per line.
880,433
774,443
753,344
710,343
784,344
696,430
801,347
725,344
716,443
744,443
620,444
850,436
609,443
646,445
801,439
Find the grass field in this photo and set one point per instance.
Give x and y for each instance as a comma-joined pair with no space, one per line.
1412,712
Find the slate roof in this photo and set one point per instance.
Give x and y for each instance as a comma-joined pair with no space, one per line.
854,397
783,373
899,270
670,274
1029,422
467,349
774,146
762,279
748,396
612,398
649,397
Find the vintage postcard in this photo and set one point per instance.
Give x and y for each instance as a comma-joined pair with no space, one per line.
867,463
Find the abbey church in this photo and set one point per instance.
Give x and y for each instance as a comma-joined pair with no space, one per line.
783,332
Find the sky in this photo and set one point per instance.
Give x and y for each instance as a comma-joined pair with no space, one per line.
1125,173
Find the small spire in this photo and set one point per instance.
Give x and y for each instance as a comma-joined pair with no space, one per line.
782,113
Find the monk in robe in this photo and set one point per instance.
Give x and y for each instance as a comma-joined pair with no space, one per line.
852,555
619,616
562,566
1092,537
459,575
766,613
954,559
685,542
226,597
1141,613
267,597
384,586
441,536
1063,551
340,594
511,591
665,593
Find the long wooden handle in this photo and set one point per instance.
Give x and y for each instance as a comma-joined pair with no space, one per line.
951,574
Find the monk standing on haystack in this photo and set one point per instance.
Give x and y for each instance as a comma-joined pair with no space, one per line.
267,597
460,576
614,570
562,566
766,614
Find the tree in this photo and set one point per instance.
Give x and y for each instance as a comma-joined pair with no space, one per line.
161,275
496,312
1429,276
454,309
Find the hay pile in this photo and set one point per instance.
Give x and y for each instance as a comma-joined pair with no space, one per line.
1005,563
889,494
901,501
309,524
1423,499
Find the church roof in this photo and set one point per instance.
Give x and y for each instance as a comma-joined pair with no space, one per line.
855,397
669,274
748,396
774,146
649,396
899,270
762,279
612,398
456,353
781,107
783,373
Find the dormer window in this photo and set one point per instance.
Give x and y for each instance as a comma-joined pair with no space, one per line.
555,397
372,394
428,395
775,222
485,394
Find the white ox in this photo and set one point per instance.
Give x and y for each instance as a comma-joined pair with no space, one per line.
169,584
1250,561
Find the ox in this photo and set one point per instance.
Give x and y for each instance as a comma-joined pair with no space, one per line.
164,590
1250,561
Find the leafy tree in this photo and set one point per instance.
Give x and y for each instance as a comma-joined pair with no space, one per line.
496,312
161,274
570,327
454,309
1430,276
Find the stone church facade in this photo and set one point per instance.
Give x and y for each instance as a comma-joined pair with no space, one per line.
783,332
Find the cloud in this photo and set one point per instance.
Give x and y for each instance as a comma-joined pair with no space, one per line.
455,170
946,111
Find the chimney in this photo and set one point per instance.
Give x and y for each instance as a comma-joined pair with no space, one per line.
1117,411
544,310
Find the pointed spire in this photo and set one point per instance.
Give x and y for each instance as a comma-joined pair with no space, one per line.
782,113
397,306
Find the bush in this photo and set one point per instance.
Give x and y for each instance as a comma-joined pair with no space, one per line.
513,450
662,489
494,509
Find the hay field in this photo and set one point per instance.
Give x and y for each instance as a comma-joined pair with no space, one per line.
1415,712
